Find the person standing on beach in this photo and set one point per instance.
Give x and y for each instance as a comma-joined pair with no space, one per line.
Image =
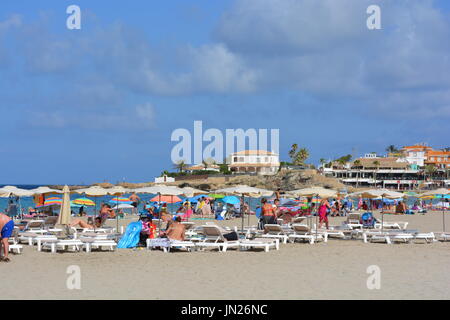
134,198
268,212
6,229
323,214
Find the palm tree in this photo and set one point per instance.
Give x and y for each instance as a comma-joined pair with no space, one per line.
301,156
376,163
391,149
430,170
293,152
180,165
322,161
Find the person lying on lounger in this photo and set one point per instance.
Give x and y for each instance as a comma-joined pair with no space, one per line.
86,225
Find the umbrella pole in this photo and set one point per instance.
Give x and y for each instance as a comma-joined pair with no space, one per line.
160,213
317,217
382,217
443,216
249,209
242,212
117,214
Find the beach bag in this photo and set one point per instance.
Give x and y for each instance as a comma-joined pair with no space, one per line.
130,239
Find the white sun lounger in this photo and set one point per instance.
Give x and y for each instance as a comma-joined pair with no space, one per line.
54,245
443,236
354,221
264,243
304,232
391,225
428,237
215,239
275,231
90,243
376,236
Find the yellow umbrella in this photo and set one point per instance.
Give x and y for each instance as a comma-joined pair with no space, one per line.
64,213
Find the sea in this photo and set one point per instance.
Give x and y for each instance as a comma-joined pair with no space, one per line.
27,202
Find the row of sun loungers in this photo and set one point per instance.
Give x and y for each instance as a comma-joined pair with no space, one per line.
42,233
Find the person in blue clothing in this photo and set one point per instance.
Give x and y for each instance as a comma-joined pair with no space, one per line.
6,230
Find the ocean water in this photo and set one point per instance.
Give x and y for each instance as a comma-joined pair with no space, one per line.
26,202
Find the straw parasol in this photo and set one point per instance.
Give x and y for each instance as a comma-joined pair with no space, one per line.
438,193
377,193
117,191
244,190
64,213
191,192
93,191
314,192
161,190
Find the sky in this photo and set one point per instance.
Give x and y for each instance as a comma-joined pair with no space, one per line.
100,103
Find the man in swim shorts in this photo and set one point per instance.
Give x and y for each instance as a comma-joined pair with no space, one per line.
6,230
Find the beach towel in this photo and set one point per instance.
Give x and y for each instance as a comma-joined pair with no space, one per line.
130,239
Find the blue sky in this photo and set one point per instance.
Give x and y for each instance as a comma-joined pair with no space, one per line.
100,103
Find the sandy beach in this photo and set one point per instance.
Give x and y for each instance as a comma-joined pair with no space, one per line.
333,270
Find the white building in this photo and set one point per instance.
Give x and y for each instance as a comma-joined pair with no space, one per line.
164,179
255,161
416,154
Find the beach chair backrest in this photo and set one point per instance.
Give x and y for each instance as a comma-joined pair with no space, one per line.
188,225
301,228
213,232
299,220
50,221
353,218
273,228
34,224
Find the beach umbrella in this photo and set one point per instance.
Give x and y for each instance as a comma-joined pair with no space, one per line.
440,193
64,213
93,191
216,196
166,199
8,191
123,206
44,190
11,191
244,190
162,191
315,192
191,192
118,200
83,202
231,200
52,201
117,191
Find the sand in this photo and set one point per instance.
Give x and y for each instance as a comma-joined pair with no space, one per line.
333,270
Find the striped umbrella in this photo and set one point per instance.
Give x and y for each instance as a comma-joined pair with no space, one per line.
83,202
118,200
167,199
52,201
